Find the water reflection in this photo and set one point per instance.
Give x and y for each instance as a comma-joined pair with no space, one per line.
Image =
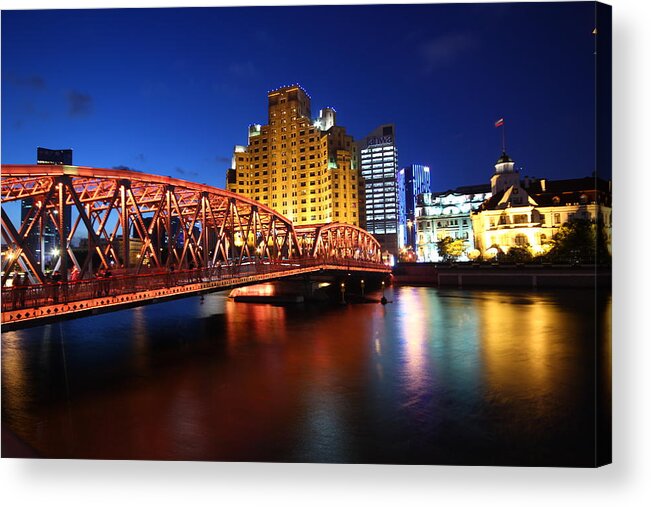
262,323
438,376
140,338
414,338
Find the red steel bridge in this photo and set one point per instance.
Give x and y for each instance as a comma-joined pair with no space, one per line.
143,238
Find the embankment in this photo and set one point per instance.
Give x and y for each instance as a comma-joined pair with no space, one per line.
478,275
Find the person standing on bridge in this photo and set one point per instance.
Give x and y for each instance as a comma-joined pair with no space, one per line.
56,286
193,275
99,281
20,291
74,278
170,276
107,281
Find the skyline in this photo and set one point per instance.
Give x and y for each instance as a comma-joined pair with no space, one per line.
176,104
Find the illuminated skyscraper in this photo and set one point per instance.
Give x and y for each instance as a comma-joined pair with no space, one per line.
412,180
379,166
304,168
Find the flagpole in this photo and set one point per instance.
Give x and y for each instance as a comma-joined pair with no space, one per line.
502,123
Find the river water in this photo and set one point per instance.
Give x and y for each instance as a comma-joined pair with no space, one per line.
440,376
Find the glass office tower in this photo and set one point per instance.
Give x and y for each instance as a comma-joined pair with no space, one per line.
378,166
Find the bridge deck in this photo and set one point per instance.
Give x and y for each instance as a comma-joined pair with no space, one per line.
39,304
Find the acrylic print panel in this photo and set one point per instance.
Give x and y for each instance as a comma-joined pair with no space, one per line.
334,234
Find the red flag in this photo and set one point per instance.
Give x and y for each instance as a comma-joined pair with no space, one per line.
499,122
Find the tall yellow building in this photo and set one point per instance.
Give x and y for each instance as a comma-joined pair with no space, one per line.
304,168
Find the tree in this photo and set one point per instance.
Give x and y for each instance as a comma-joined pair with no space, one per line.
517,254
474,255
450,249
579,242
602,251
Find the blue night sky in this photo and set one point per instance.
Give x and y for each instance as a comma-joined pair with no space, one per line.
171,91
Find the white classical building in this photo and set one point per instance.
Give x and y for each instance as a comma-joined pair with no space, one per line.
447,214
529,213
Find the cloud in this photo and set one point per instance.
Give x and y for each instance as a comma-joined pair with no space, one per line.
140,157
442,50
79,104
35,82
223,160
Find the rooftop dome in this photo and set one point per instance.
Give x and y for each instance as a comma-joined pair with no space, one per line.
504,159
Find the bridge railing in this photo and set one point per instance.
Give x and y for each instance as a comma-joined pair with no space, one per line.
34,296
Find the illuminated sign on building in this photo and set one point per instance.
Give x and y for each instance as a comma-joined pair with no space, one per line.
374,141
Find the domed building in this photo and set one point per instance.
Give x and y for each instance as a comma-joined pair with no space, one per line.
528,213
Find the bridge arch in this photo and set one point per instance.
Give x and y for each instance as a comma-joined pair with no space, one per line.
132,220
339,241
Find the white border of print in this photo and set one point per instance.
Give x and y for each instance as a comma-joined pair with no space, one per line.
108,483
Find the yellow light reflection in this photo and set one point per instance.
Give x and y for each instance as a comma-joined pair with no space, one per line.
13,373
520,346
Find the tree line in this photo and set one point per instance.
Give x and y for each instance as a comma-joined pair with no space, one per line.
577,242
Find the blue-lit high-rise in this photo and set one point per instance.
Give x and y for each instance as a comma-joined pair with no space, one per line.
412,180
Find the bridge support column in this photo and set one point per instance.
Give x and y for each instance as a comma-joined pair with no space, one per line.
61,226
124,218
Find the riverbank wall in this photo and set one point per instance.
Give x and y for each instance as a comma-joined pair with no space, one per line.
487,275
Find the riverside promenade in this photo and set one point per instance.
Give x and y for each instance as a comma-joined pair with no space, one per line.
502,275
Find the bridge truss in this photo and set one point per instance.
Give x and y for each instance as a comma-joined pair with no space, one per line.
135,222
